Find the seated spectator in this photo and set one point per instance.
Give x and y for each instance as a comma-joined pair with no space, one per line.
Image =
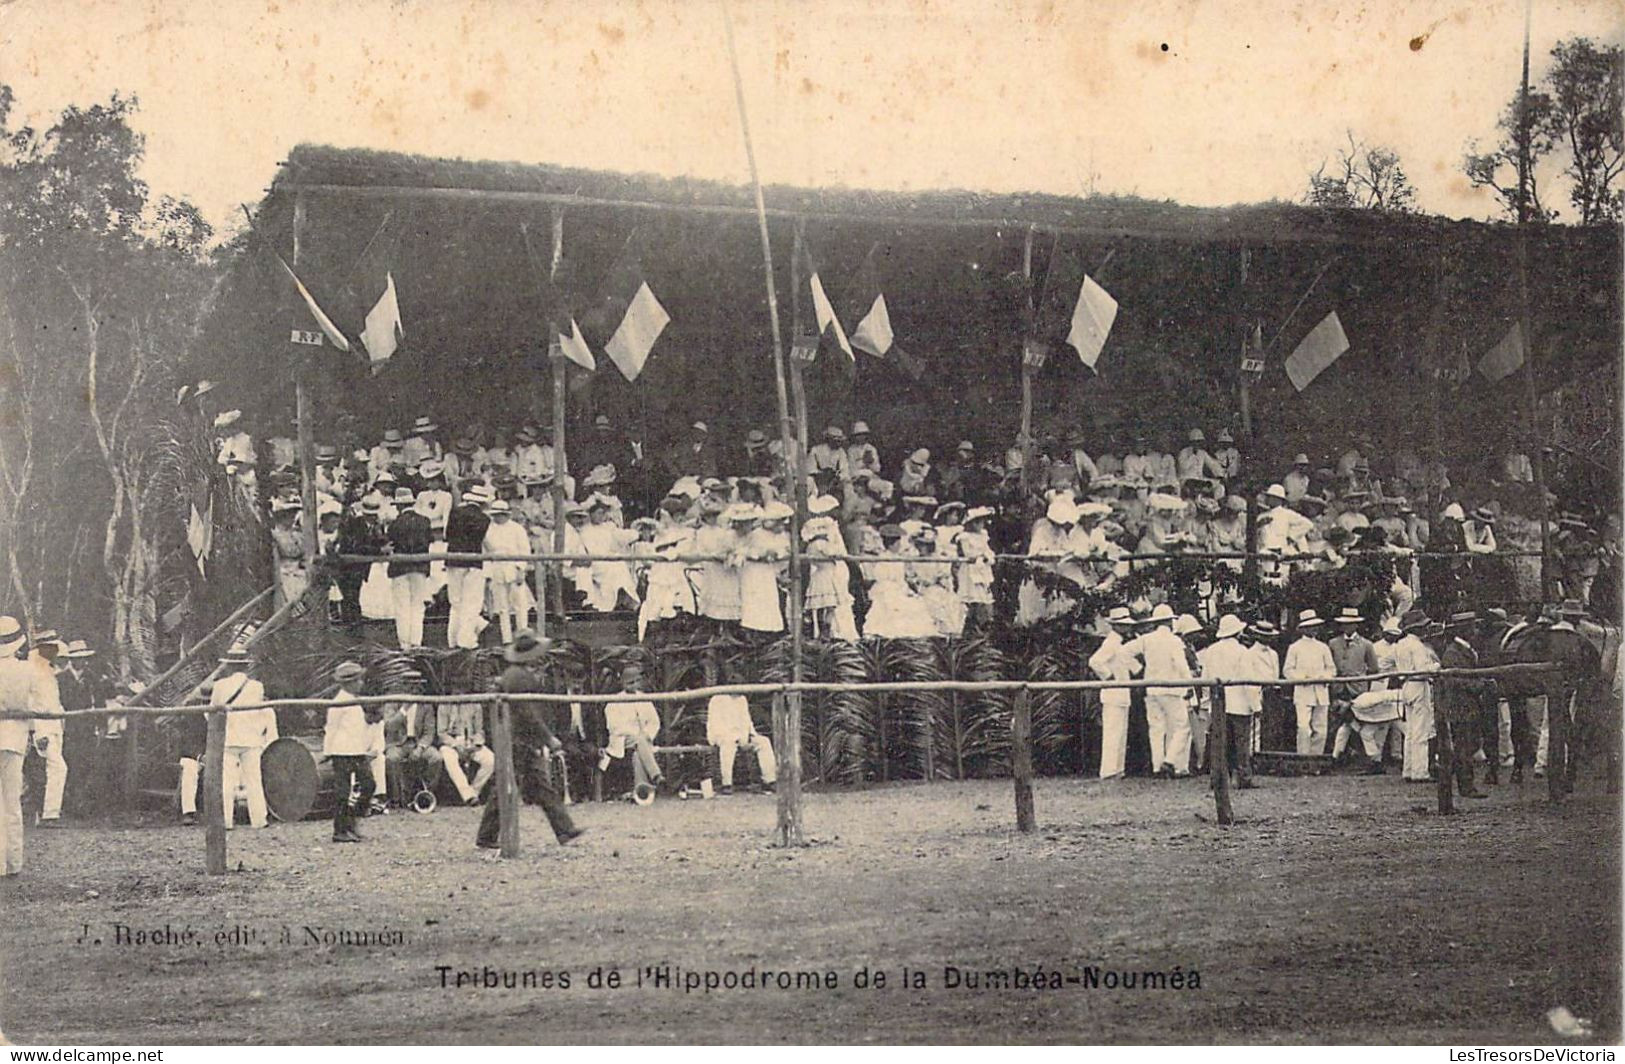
412,762
460,730
861,453
729,727
633,724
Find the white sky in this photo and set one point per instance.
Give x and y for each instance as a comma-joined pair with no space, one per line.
1002,95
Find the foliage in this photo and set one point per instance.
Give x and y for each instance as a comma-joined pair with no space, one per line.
1365,176
1574,114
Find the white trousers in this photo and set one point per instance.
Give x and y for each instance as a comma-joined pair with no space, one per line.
1374,736
1113,737
11,812
1311,727
765,761
485,763
1418,730
242,765
1503,732
380,776
56,775
506,600
190,771
406,591
465,588
1168,722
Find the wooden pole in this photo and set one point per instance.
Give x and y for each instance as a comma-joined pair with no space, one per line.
1021,762
214,800
305,417
1026,440
1447,763
1218,757
787,738
561,465
507,788
1526,332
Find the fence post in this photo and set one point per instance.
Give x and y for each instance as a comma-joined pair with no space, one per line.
787,740
214,796
1021,761
1447,762
1218,755
507,790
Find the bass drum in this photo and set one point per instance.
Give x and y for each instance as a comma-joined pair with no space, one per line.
298,780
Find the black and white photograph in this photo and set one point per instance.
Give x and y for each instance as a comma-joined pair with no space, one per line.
835,523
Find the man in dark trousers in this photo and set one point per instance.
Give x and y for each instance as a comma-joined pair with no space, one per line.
1458,700
530,736
1580,662
359,533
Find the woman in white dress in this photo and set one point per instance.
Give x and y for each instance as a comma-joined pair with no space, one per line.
377,594
718,584
761,556
896,611
1054,533
974,579
610,580
934,582
828,597
668,592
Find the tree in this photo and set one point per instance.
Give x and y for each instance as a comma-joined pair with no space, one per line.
1586,117
101,292
1574,113
1364,175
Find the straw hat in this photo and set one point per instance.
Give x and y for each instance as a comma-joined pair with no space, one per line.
1349,615
1309,619
346,672
526,647
1062,510
422,425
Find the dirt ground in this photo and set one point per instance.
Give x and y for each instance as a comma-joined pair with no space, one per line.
1337,911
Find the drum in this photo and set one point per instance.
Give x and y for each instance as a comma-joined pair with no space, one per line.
298,781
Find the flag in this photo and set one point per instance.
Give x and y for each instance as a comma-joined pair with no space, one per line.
823,311
573,346
372,291
642,320
1505,357
1092,319
200,524
1324,344
874,332
330,330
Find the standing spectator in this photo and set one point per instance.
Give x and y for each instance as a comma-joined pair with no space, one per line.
510,597
1353,655
831,456
408,534
1113,661
465,579
17,694
1227,457
248,733
1458,700
692,456
1309,658
1231,657
421,445
360,533
1167,709
347,741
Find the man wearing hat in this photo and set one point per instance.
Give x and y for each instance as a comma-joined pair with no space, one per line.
421,445
604,445
409,533
1309,658
465,579
1112,661
361,533
860,452
1163,656
1194,462
533,741
633,723
1459,701
532,462
510,595
1227,457
965,480
1579,663
1229,658
20,691
347,740
46,656
1411,654
385,454
1296,482
1353,655
830,455
757,460
1262,638
248,733
1479,531
692,455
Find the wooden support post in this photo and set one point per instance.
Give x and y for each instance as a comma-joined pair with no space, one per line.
507,787
561,465
790,828
1218,757
214,799
130,776
306,419
1447,763
1026,439
1021,762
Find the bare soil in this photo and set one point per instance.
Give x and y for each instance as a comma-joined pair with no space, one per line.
1339,910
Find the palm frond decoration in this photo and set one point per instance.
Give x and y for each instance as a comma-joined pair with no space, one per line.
836,728
1059,717
970,730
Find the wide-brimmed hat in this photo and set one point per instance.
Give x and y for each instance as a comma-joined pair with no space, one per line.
348,672
670,537
1300,459
527,646
11,630
822,504
700,426
1461,619
1235,502
1119,615
1185,624
1196,436
392,438
1414,621
1484,515
978,513
740,512
1349,615
890,531
644,522
327,453
1275,491
947,508
524,436
1159,500
920,456
835,432
500,506
1062,510
235,656
1454,512
1390,626
1163,612
431,469
601,475
1571,608
78,648
1309,619
920,500
371,503
777,511
1229,626
404,494
755,440
424,424
1264,628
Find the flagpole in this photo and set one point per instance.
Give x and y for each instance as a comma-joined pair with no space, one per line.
1525,330
1026,439
561,466
787,732
302,414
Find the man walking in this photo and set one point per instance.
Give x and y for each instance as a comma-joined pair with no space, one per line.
347,740
531,736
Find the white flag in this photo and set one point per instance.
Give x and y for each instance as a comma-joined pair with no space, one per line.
644,321
1324,344
824,313
383,333
574,347
1505,357
1091,321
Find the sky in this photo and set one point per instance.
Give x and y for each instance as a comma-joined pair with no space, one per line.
1203,102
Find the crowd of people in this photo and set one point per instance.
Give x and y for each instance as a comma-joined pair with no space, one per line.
1078,523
